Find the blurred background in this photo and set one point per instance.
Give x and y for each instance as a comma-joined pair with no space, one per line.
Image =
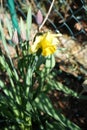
67,16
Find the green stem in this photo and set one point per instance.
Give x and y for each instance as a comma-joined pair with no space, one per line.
12,10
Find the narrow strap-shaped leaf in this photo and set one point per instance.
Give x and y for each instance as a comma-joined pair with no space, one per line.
52,84
12,10
12,91
4,89
6,49
29,22
9,27
43,103
7,68
55,125
49,63
59,86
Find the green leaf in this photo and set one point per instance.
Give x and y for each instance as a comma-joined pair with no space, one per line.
5,65
21,24
7,69
12,10
55,125
28,80
6,49
29,22
54,85
40,60
29,76
5,89
8,24
49,64
3,39
11,90
43,103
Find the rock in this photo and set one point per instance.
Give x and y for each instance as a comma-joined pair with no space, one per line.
72,56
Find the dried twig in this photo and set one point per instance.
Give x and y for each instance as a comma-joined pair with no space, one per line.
47,15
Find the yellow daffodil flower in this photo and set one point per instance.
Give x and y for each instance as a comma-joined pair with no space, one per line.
47,42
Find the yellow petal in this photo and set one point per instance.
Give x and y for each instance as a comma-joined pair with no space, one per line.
47,42
36,45
48,50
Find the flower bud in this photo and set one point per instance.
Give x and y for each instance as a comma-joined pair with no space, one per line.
39,17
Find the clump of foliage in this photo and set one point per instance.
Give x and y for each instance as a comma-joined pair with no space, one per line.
24,100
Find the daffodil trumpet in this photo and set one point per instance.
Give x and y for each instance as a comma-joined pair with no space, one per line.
47,42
